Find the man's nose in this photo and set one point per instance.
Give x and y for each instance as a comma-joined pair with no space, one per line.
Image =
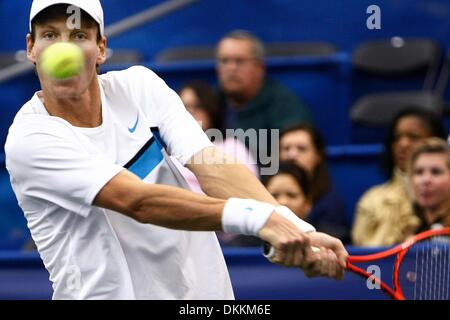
64,37
292,154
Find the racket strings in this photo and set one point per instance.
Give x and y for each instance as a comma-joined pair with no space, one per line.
416,290
446,270
431,275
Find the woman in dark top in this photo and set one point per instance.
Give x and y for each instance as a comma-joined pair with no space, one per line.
290,187
304,145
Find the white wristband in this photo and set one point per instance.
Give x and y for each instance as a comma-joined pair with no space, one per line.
245,216
292,217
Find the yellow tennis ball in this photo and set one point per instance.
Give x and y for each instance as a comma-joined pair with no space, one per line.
62,60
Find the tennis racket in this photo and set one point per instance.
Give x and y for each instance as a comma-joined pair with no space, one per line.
421,267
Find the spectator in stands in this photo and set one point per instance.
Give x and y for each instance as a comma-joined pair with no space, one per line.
384,215
290,187
249,100
201,101
304,145
429,172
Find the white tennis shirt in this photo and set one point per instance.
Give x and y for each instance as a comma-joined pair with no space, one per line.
57,169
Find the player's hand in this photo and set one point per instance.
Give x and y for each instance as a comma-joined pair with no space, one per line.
317,254
292,246
331,258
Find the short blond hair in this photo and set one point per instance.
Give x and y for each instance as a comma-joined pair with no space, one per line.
430,145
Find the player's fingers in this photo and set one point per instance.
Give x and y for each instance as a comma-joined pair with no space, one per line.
340,252
312,271
336,269
295,247
333,263
312,262
279,256
287,258
324,262
294,251
340,271
330,265
290,257
288,253
298,258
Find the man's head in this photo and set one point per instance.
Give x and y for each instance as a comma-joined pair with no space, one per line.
92,7
240,66
54,21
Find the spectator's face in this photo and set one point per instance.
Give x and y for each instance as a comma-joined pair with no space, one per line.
297,147
192,104
409,132
285,189
238,69
431,180
86,38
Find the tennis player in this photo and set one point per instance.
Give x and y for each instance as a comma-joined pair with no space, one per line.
86,158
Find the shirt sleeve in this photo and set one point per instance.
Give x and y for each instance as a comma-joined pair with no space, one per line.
183,136
52,164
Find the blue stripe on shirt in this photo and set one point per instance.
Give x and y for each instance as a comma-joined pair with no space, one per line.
147,161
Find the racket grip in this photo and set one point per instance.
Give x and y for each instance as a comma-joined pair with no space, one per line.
268,250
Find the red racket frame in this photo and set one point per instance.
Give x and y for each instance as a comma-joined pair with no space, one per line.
400,250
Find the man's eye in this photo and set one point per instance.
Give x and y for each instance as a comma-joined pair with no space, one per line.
80,36
49,36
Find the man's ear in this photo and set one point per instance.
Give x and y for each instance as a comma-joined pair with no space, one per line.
30,52
102,51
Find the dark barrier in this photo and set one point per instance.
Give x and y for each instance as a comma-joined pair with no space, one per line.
22,276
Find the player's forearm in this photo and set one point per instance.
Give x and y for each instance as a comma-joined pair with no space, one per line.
221,176
233,180
178,209
161,205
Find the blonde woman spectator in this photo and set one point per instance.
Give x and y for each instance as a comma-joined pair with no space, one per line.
384,214
430,182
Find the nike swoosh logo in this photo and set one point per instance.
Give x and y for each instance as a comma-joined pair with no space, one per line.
133,129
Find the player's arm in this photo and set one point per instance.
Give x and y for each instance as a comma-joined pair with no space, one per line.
161,205
176,208
223,177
